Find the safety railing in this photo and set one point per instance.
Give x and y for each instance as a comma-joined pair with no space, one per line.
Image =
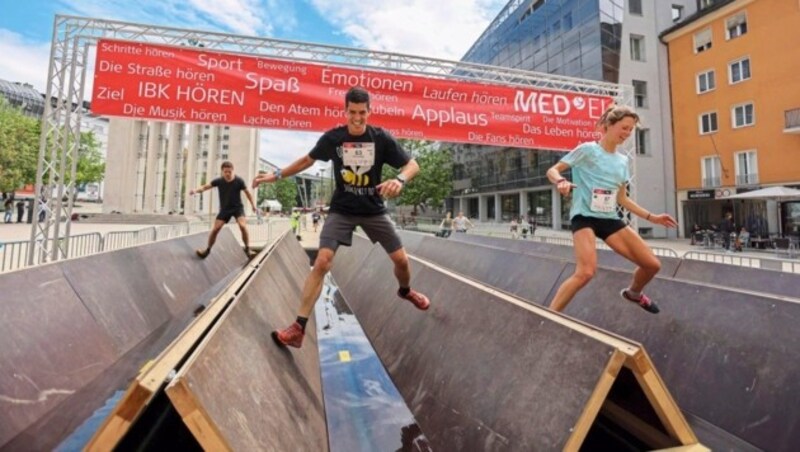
14,255
787,266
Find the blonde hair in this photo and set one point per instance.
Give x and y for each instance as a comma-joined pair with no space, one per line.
615,114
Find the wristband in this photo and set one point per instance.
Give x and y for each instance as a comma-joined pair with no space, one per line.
278,174
560,180
648,216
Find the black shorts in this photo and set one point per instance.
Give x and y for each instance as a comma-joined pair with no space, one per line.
339,227
227,214
602,227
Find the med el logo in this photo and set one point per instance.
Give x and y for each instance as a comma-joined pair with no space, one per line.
579,103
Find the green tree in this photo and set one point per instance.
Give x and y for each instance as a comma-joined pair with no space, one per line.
434,182
91,165
284,190
19,147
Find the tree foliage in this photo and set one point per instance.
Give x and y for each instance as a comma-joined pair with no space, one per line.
19,151
434,182
91,165
19,147
284,190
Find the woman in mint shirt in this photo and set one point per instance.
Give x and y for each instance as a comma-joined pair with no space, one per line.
600,176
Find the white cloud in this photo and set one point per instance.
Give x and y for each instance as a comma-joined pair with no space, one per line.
23,60
438,29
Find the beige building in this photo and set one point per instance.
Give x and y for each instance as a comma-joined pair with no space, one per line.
152,165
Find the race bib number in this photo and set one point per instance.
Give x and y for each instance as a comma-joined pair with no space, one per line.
358,155
604,200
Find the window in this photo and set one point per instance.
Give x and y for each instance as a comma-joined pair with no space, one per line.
708,122
567,21
224,147
743,115
746,168
703,4
702,41
677,12
739,70
637,48
706,82
711,170
640,93
635,7
642,141
736,26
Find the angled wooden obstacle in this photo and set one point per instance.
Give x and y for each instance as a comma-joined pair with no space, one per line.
154,375
485,367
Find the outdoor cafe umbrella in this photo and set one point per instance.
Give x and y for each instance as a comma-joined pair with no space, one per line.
778,194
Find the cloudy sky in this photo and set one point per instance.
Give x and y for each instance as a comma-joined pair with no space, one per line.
439,29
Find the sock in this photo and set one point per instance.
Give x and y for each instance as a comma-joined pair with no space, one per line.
403,291
632,294
302,321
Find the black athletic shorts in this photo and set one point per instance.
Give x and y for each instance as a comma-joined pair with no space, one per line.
602,227
227,214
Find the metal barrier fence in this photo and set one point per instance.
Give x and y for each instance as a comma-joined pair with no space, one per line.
14,255
125,239
745,261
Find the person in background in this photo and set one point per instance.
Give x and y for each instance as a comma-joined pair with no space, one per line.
446,227
460,223
230,187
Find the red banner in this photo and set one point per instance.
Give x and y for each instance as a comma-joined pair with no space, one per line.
180,84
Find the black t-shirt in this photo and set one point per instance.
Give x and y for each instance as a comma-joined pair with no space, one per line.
229,196
355,192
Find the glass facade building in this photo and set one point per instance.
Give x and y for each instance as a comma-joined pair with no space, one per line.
575,38
24,97
613,41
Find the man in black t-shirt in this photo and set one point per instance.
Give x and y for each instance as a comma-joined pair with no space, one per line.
230,187
358,152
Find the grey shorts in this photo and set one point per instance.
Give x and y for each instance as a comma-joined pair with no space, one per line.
339,227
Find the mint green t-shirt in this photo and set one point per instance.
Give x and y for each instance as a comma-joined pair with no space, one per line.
597,175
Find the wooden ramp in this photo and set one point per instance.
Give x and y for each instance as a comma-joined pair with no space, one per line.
709,342
154,376
238,390
487,370
74,330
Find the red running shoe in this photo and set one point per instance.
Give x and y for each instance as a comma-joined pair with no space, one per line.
644,301
419,300
291,336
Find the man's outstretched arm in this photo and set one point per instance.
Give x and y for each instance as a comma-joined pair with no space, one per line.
295,167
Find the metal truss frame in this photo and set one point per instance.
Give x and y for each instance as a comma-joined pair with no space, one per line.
73,38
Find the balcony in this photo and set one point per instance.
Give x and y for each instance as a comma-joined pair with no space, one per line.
746,179
792,121
711,182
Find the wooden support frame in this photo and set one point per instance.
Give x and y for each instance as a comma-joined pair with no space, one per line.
155,375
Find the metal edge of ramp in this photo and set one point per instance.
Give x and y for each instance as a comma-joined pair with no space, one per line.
154,375
238,390
410,328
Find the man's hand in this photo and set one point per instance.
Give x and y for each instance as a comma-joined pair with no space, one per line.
192,192
263,179
390,188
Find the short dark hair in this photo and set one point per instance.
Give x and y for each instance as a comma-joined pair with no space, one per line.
356,95
227,164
